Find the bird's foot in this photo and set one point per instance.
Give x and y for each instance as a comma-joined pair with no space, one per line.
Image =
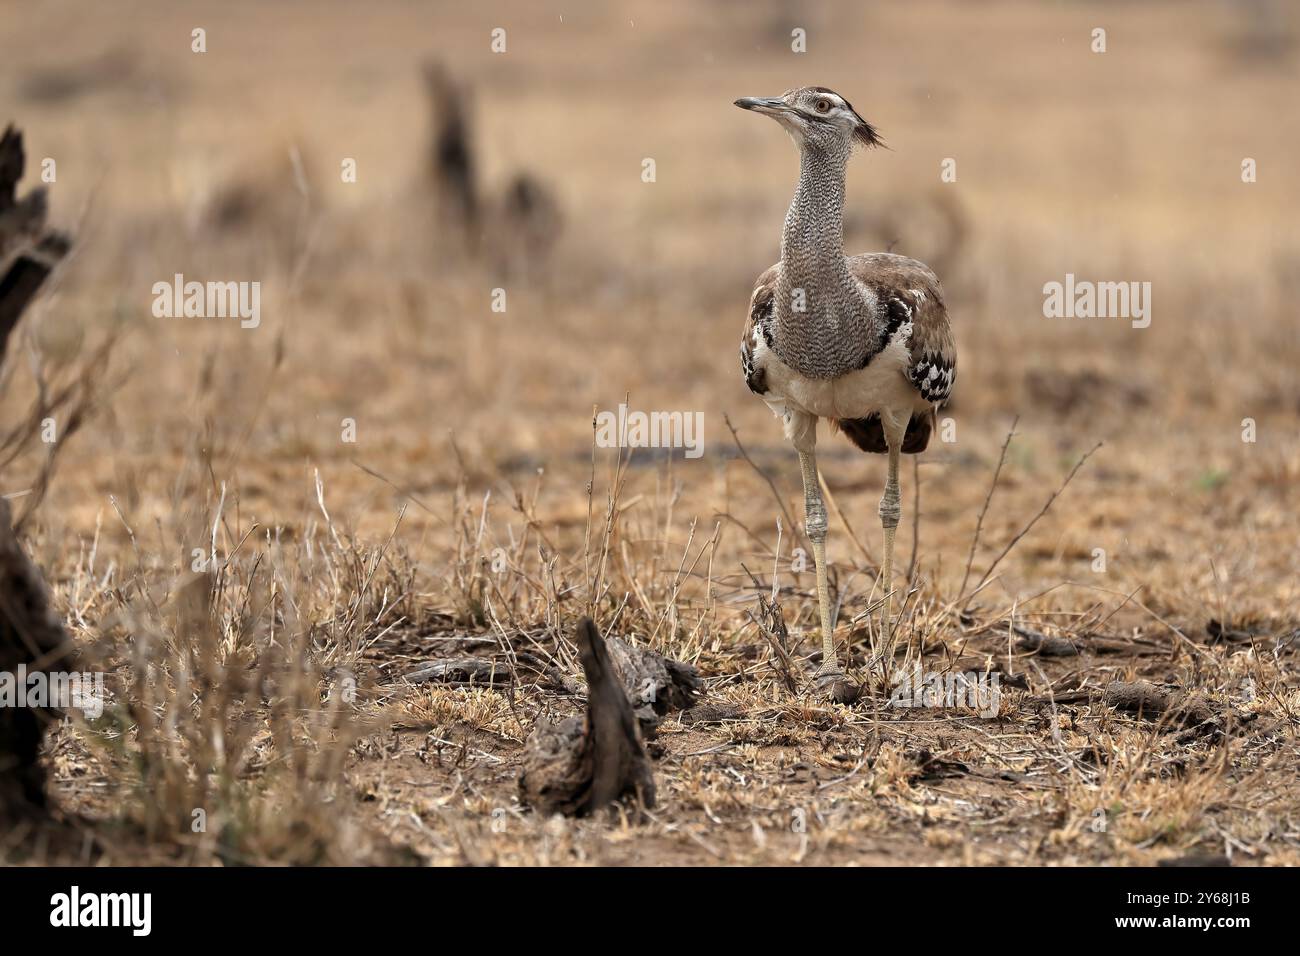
830,683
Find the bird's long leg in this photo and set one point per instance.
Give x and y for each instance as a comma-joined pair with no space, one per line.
815,523
890,512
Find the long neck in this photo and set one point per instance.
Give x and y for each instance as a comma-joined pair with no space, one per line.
812,244
823,321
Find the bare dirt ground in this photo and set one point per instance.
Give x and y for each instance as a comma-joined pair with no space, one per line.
261,700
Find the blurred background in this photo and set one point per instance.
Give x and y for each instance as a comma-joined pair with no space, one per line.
522,170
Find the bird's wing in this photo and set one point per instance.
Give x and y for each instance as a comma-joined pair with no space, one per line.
910,292
759,322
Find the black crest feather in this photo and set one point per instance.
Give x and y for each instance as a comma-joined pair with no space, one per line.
866,134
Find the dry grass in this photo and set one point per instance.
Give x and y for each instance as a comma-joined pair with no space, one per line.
472,504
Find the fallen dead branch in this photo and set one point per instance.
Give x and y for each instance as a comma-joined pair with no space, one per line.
1046,645
461,670
1053,645
1180,708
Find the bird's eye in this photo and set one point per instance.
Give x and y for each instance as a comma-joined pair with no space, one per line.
823,106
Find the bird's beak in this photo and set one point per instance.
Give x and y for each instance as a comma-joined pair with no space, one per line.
763,104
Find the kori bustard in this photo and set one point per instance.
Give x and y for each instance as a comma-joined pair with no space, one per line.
862,340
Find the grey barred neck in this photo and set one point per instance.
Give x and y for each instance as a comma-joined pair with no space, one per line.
836,331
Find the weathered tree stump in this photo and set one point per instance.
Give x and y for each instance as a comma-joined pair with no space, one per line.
583,764
32,636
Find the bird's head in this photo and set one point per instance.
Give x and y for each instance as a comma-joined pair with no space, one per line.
815,117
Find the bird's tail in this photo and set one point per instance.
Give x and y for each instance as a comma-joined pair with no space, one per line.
869,435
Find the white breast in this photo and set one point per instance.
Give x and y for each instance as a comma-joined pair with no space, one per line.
881,386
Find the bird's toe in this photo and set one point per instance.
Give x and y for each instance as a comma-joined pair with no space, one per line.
830,683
